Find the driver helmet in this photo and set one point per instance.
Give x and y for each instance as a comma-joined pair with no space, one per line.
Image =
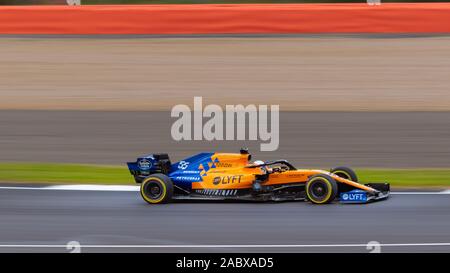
258,162
261,163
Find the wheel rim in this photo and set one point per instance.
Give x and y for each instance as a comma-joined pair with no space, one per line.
319,190
153,190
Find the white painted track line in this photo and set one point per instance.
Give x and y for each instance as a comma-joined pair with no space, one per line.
94,187
229,246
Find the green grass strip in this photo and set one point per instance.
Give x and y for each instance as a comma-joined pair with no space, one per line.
114,175
64,173
407,177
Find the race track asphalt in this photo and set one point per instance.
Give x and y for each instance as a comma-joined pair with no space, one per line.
50,217
307,139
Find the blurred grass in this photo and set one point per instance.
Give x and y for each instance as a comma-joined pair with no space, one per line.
64,173
407,177
102,174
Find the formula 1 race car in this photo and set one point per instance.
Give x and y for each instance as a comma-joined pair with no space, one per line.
220,176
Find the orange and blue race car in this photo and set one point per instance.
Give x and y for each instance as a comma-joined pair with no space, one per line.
222,176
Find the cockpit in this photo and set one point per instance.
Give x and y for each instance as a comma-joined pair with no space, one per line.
277,166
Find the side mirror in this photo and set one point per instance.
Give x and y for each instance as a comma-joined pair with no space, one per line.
244,151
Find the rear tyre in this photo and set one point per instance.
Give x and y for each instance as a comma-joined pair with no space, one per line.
345,172
321,189
157,189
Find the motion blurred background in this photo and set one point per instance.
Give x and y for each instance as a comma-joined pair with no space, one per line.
368,101
75,108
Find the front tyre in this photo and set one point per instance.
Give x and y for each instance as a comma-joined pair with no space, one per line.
157,189
321,189
345,173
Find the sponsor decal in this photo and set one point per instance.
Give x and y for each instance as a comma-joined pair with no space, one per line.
207,165
224,165
144,164
354,196
296,175
191,172
217,180
187,178
228,179
183,165
217,192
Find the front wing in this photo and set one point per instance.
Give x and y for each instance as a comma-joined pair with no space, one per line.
357,196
